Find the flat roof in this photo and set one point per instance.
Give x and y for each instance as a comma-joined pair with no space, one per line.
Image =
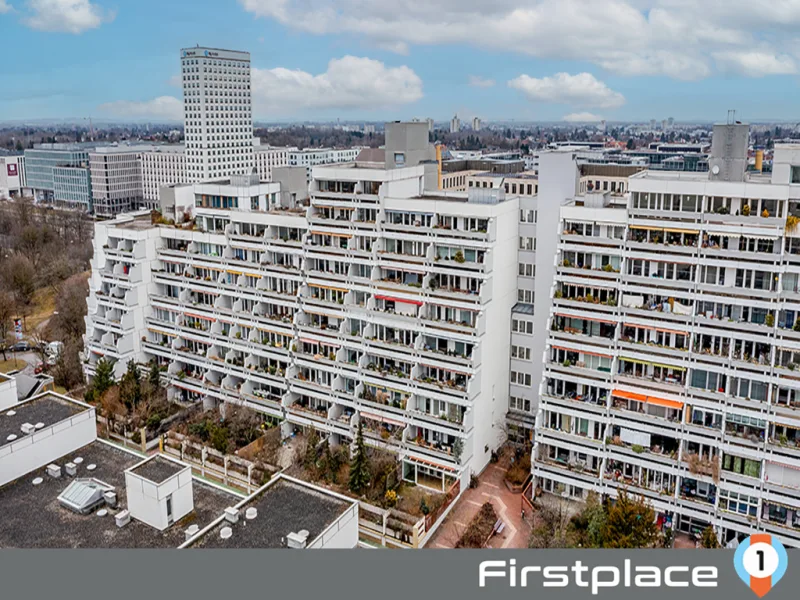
158,469
33,517
284,507
48,409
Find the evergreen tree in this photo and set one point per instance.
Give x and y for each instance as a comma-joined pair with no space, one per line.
130,392
630,524
310,458
359,466
710,538
154,377
103,378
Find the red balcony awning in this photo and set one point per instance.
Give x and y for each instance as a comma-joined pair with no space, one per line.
394,299
661,329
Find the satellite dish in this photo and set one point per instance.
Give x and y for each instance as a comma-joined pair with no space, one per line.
715,169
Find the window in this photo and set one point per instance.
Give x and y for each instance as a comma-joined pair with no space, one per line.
738,503
525,296
517,403
254,203
527,270
523,379
795,175
399,159
520,352
522,326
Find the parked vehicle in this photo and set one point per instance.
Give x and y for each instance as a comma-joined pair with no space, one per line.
22,346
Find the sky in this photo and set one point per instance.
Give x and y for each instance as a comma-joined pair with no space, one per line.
528,60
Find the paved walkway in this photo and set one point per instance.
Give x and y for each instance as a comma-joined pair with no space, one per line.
507,505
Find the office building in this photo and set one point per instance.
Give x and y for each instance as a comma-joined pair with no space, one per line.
268,157
672,346
218,118
116,176
312,157
59,174
163,165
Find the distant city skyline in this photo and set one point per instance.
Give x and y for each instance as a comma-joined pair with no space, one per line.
533,60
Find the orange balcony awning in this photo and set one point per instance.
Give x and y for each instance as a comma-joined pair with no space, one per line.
664,402
629,395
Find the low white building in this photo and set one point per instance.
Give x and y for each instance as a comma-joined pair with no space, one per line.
36,432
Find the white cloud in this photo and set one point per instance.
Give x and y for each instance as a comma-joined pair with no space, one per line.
582,117
480,82
682,39
66,16
349,83
562,88
5,7
164,107
755,63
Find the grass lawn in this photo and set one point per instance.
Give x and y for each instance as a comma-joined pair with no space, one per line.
12,365
44,303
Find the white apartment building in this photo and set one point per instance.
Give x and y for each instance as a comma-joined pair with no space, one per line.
267,157
476,124
376,302
455,124
117,184
164,165
218,118
672,344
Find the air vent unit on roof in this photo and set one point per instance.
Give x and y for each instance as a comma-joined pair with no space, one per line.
84,495
226,533
297,540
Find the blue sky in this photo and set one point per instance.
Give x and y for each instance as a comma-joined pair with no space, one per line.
360,59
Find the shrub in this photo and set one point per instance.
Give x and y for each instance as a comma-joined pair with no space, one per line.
390,498
479,529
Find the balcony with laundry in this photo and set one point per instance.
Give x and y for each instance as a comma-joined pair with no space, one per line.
440,379
664,307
